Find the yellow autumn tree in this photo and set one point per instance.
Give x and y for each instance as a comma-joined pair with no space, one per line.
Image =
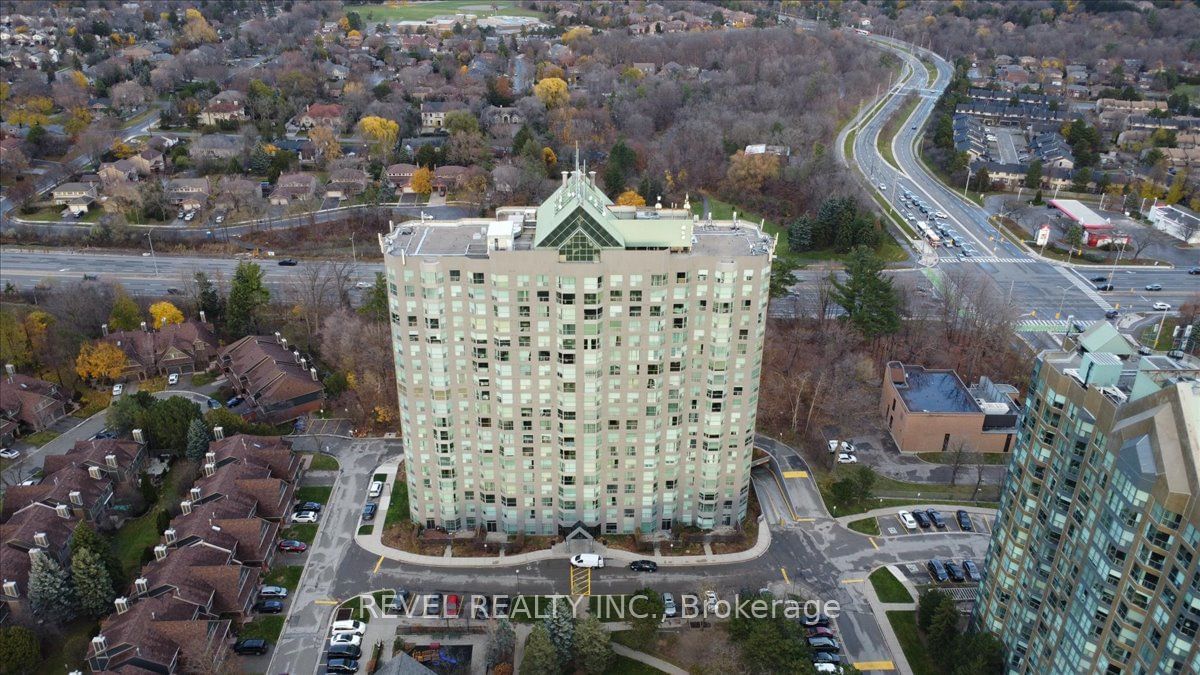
380,131
122,150
196,28
78,79
552,91
165,313
575,33
100,361
630,198
549,158
77,120
747,173
325,142
422,181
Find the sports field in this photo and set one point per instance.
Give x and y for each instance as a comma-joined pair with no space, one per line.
419,11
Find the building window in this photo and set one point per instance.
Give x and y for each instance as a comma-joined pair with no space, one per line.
578,248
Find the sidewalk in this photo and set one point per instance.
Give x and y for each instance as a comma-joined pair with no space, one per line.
880,609
373,542
652,661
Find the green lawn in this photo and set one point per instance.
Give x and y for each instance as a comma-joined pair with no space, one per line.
904,623
92,402
968,457
201,379
397,511
865,526
623,665
263,626
322,462
41,438
314,493
419,11
1166,339
287,576
69,650
888,587
889,492
884,140
305,532
135,536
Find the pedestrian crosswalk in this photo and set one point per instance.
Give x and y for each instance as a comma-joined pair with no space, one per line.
1085,287
1046,326
996,259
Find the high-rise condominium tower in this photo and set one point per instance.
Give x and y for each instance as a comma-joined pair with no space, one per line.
1093,563
578,364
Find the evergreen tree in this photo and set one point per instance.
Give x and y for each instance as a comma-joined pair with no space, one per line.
540,656
593,650
621,163
375,301
260,160
20,650
209,301
1037,198
125,313
247,297
867,296
167,423
197,439
502,640
93,586
643,629
50,592
85,537
943,630
927,606
560,624
800,234
1033,175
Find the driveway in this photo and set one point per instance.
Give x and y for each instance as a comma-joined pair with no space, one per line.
881,454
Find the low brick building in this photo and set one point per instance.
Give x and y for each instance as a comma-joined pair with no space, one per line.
934,411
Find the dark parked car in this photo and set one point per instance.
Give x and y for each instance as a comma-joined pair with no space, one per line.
288,262
936,518
643,566
500,606
251,646
937,570
233,401
964,521
818,620
268,607
345,651
213,403
922,519
824,644
433,604
307,506
342,665
826,657
971,571
292,546
954,572
821,631
369,511
399,601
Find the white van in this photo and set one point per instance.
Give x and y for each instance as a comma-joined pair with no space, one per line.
348,626
587,560
376,489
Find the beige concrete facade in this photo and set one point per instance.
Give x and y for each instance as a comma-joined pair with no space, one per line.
552,373
933,411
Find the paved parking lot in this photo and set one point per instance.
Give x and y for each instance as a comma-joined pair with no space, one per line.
891,525
919,576
329,427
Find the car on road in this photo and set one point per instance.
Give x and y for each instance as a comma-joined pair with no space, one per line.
587,560
710,601
824,644
1161,306
251,647
1102,279
369,510
643,566
907,520
1144,350
305,517
174,291
219,219
821,631
342,665
670,609
964,521
292,546
844,458
118,389
1112,314
1154,287
971,571
272,592
375,489
268,607
363,284
346,639
937,571
172,379
307,506
954,571
348,626
288,262
922,519
1194,271
9,453
1104,287
936,518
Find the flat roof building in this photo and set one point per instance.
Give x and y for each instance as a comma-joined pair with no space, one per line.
578,365
1080,213
934,411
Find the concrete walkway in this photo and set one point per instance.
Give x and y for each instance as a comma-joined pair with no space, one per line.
373,542
652,661
880,610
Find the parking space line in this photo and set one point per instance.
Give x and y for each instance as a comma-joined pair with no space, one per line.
326,602
872,540
377,564
785,576
853,581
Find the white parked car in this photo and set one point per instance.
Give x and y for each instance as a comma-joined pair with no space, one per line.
9,453
375,490
118,389
844,458
304,517
710,600
908,520
1161,306
841,446
172,379
587,560
348,638
348,626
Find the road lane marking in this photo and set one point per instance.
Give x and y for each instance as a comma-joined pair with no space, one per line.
326,602
872,540
377,564
783,495
805,520
874,665
853,581
785,576
795,474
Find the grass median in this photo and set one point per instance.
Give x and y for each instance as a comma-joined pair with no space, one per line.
904,625
865,526
888,587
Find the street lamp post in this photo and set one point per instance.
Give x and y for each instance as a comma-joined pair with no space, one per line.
969,173
1116,260
152,256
